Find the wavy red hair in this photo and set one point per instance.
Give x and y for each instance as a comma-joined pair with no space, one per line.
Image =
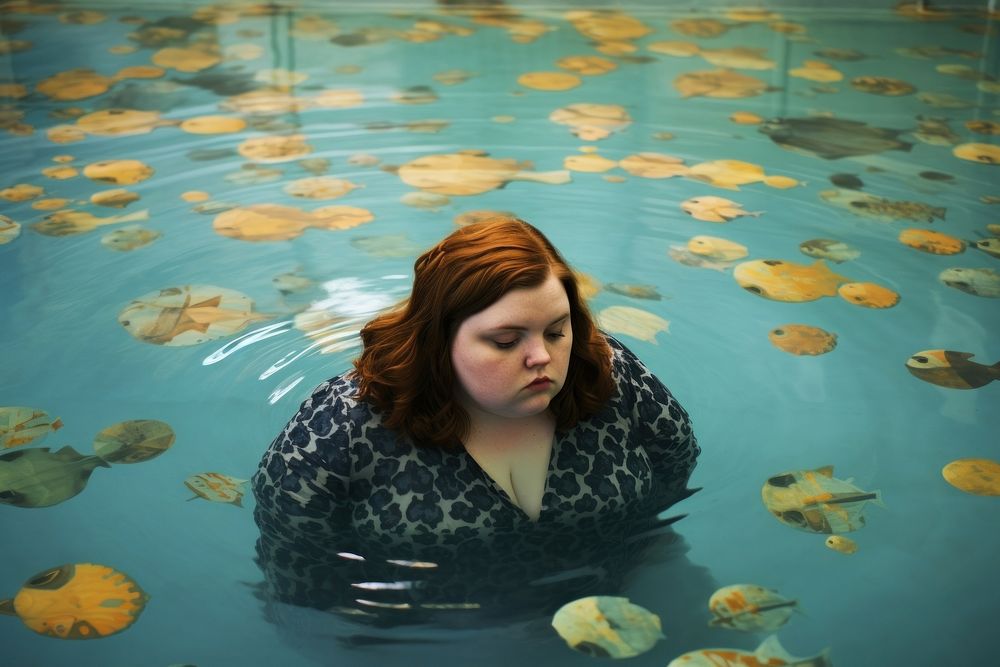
405,368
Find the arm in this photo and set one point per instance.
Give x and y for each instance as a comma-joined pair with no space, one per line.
301,488
660,425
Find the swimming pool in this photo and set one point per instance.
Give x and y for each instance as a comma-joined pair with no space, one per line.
203,203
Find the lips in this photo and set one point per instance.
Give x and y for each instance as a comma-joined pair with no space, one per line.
540,382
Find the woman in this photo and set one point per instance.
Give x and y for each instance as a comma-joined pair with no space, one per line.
485,410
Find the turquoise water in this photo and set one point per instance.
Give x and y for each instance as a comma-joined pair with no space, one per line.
921,589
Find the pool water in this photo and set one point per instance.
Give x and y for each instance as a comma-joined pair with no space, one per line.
203,203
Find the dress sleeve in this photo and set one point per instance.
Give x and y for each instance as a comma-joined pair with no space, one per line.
659,424
302,491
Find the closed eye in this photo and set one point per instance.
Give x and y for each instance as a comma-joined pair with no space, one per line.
506,345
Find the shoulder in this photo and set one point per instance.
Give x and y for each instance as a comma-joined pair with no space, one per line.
337,398
316,443
335,423
340,387
330,418
635,380
626,367
618,350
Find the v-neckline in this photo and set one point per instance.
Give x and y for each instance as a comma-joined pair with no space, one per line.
498,488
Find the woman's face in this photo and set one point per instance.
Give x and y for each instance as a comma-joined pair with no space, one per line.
511,359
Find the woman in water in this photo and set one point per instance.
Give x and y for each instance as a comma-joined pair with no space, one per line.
486,412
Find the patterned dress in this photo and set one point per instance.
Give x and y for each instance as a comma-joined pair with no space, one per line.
342,499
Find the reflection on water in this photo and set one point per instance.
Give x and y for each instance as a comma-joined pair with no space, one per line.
518,571
490,601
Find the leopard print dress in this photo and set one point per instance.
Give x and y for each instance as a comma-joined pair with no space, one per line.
342,499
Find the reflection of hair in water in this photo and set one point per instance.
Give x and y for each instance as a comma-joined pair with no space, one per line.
498,592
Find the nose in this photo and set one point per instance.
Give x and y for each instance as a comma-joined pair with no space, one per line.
537,353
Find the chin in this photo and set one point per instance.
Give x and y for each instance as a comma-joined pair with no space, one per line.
535,408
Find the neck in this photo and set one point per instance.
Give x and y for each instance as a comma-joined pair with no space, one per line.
508,429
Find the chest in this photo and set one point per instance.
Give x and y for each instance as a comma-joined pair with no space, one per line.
519,468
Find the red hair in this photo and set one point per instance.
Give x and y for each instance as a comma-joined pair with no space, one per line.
405,368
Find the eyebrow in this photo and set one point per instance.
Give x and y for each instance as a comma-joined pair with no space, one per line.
515,327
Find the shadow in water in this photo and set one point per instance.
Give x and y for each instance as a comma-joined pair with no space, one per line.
490,601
